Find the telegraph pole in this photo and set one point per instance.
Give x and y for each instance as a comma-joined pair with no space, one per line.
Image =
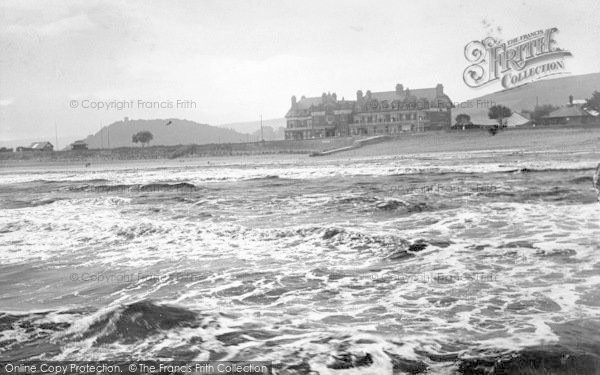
262,138
55,136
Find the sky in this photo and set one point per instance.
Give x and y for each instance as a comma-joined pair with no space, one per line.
231,61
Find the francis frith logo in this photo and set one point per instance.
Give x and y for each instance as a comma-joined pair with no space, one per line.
514,62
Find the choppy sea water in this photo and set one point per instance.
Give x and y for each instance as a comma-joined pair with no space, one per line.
410,264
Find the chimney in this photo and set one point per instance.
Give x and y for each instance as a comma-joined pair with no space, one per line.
369,95
439,89
293,102
399,89
359,96
570,99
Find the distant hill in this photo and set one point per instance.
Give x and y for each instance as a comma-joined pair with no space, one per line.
548,91
269,134
178,132
253,127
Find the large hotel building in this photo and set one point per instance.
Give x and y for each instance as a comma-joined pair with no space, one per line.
388,112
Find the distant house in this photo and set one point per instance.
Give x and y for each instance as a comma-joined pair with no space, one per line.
79,145
480,119
526,115
516,119
39,146
572,114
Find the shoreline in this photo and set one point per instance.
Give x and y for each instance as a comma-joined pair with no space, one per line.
555,141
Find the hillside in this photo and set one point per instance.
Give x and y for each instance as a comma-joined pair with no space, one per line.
254,126
549,91
179,132
269,134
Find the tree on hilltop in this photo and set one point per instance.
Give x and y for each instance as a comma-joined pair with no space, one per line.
144,137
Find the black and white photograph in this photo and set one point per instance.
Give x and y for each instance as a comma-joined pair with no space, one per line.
286,187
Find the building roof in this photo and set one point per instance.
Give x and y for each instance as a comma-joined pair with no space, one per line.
303,106
80,142
40,145
569,111
429,93
306,103
593,112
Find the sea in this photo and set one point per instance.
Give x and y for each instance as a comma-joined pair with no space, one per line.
437,263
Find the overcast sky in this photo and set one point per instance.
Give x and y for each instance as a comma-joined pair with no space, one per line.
238,59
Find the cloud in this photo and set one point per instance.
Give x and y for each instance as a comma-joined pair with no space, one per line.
79,22
57,28
241,58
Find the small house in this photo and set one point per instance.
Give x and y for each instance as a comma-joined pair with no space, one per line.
40,146
573,114
79,145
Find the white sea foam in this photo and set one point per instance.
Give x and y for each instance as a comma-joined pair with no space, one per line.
323,263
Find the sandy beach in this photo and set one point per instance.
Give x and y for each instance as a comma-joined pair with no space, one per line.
562,140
